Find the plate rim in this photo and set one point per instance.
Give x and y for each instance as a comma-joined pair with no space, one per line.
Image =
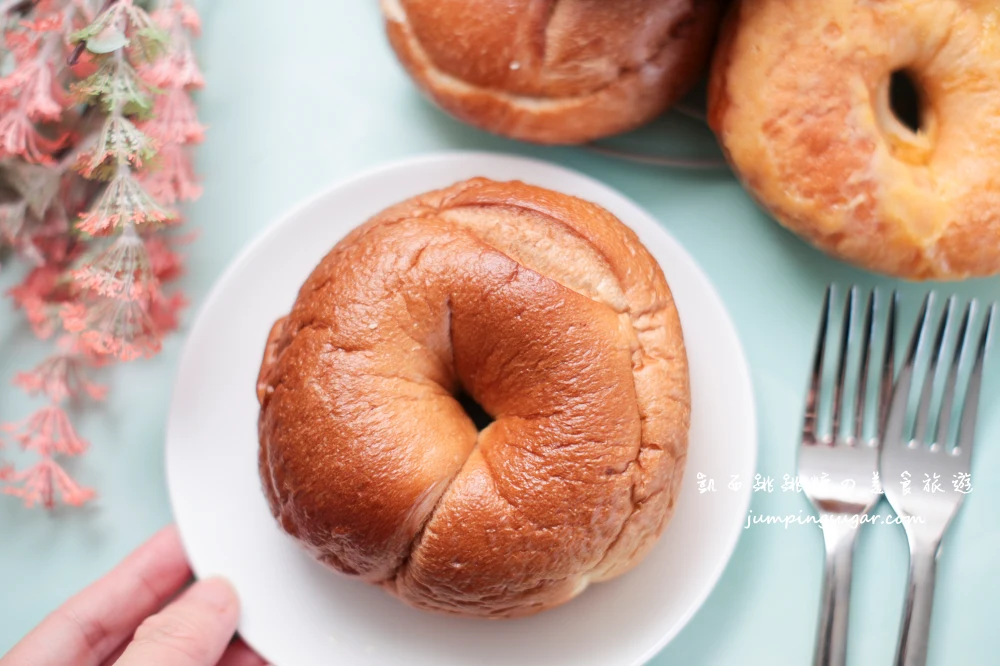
273,228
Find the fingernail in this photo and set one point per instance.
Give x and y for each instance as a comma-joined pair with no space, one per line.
215,592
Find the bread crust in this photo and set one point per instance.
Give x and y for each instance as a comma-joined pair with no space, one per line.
553,72
552,315
799,100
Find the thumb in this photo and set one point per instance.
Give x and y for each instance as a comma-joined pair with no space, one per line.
194,630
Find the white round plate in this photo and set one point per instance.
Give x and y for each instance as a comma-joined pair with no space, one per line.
296,612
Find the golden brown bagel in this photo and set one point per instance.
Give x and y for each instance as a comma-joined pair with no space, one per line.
799,99
551,314
548,71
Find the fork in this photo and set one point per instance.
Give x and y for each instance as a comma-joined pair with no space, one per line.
926,515
837,467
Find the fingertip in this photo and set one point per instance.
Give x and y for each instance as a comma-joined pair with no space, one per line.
194,630
163,552
216,593
167,536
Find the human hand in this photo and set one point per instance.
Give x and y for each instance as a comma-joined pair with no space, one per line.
124,618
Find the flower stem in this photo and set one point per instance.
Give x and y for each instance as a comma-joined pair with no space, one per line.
74,57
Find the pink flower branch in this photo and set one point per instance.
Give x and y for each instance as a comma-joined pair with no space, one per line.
93,195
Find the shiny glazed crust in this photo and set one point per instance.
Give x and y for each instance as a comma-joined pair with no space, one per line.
553,71
799,98
552,315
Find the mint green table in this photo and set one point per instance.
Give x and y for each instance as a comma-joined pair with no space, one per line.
303,94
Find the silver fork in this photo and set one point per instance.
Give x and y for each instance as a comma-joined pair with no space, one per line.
837,468
920,460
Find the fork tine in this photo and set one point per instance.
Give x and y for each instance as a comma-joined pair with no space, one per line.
816,379
845,342
888,366
901,394
948,398
937,355
967,426
866,353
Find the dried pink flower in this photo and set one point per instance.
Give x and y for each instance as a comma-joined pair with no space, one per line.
124,329
178,12
120,142
74,317
41,316
43,482
47,432
175,119
165,311
107,32
121,271
177,69
117,86
32,84
36,295
39,284
164,262
61,376
174,179
19,138
124,200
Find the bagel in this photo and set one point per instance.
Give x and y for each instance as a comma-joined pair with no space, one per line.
553,72
552,316
799,98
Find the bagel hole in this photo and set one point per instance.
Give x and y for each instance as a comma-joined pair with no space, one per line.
906,100
474,410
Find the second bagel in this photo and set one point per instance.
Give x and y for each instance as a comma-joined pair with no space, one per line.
800,100
553,72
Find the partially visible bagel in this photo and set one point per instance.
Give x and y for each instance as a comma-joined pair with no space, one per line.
551,71
552,315
799,98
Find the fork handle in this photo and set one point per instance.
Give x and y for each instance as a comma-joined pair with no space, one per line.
831,636
912,650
